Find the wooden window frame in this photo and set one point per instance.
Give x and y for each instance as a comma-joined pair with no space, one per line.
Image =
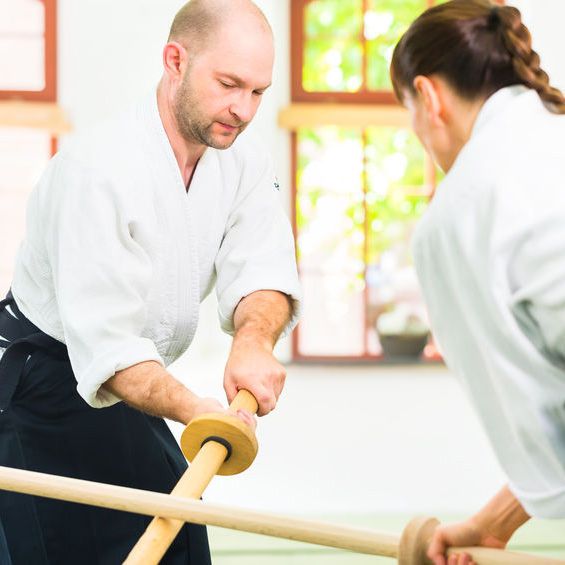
298,94
380,102
366,356
49,93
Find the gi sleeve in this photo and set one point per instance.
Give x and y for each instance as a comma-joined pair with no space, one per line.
101,278
537,272
257,250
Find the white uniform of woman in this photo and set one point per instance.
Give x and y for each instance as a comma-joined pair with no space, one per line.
490,255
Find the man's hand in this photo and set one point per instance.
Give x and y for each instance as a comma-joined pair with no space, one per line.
258,319
491,527
252,366
210,405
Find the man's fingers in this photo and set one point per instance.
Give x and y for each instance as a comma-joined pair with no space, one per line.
230,389
269,406
266,406
248,418
279,383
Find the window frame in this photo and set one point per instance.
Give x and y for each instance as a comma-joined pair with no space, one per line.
362,107
366,356
298,94
387,102
49,93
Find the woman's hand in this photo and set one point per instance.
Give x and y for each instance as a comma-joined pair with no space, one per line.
462,534
491,527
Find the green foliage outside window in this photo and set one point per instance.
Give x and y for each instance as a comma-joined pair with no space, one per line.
337,34
385,22
396,191
377,191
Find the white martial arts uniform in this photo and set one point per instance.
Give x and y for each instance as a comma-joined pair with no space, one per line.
490,256
118,256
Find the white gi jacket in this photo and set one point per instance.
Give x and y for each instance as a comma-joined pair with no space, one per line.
118,256
490,256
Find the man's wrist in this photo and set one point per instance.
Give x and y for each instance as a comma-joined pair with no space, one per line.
249,336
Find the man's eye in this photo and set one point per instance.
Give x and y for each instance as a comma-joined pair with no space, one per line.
227,84
258,92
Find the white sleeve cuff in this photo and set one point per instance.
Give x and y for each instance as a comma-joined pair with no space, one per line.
237,292
544,505
108,363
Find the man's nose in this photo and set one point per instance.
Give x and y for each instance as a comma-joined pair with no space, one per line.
244,107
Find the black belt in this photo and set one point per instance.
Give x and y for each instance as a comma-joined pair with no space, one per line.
20,338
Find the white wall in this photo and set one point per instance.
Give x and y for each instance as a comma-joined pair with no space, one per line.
545,20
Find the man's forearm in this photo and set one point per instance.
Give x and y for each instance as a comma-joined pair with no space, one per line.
502,516
259,320
262,316
152,389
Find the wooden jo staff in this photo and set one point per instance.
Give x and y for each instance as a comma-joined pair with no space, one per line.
409,549
216,444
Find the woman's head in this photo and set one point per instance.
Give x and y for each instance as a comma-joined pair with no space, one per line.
476,47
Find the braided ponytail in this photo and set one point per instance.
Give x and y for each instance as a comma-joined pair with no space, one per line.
477,47
526,62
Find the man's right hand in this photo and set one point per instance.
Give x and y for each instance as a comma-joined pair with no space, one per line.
149,387
207,405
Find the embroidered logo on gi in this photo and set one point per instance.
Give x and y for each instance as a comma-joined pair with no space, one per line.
276,184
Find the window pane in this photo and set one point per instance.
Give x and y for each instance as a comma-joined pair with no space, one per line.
333,18
333,66
23,156
333,318
22,49
331,238
333,48
385,22
330,212
397,196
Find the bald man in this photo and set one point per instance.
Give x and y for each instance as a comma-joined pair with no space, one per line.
128,231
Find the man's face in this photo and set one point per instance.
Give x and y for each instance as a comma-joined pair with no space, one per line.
222,86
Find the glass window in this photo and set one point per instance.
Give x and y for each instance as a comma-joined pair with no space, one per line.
345,47
331,240
27,49
359,190
23,156
359,195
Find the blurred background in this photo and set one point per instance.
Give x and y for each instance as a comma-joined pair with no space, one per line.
372,428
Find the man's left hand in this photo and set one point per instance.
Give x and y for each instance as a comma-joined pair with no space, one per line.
253,367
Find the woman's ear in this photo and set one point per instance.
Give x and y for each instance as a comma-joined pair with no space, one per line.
431,98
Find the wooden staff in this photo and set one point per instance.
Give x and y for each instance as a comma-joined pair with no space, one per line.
216,444
174,508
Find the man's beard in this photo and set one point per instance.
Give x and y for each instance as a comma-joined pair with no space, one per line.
191,122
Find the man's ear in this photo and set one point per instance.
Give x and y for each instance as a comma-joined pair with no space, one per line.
174,59
431,98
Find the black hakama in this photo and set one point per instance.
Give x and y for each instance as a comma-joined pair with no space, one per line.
46,426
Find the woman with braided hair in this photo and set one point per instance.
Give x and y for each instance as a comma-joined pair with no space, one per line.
490,250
